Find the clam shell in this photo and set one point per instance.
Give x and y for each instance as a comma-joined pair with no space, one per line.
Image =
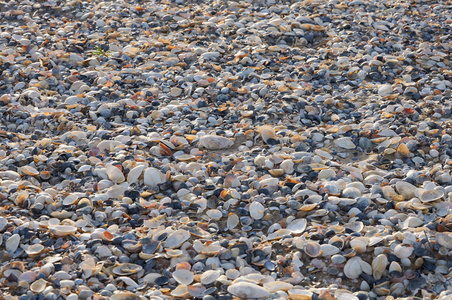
352,268
429,195
153,177
12,243
177,238
115,174
297,226
215,142
34,250
38,286
183,276
62,230
126,269
312,249
134,174
257,210
248,290
379,265
403,250
298,294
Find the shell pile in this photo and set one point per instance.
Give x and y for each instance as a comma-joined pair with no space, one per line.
225,149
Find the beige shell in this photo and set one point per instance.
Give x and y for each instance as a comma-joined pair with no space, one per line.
379,265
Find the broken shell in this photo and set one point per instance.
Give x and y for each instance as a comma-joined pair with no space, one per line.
298,294
62,230
177,238
34,250
359,244
429,195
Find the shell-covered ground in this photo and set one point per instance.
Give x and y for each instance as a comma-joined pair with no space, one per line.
225,149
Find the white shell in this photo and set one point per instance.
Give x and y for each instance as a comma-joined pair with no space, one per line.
403,250
62,230
429,195
232,222
177,238
115,174
183,276
352,268
297,226
134,174
209,277
257,210
153,177
248,290
12,243
215,142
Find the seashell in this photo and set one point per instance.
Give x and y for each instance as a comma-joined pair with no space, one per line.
215,142
248,290
297,226
183,276
28,170
429,195
12,243
115,174
276,172
126,269
196,291
267,134
299,294
118,295
444,240
153,177
403,150
405,189
287,166
209,277
256,210
328,250
34,250
72,198
3,223
352,268
181,291
214,214
395,267
412,222
359,244
274,286
379,265
232,222
312,249
345,143
62,230
38,286
134,174
177,238
174,253
403,250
